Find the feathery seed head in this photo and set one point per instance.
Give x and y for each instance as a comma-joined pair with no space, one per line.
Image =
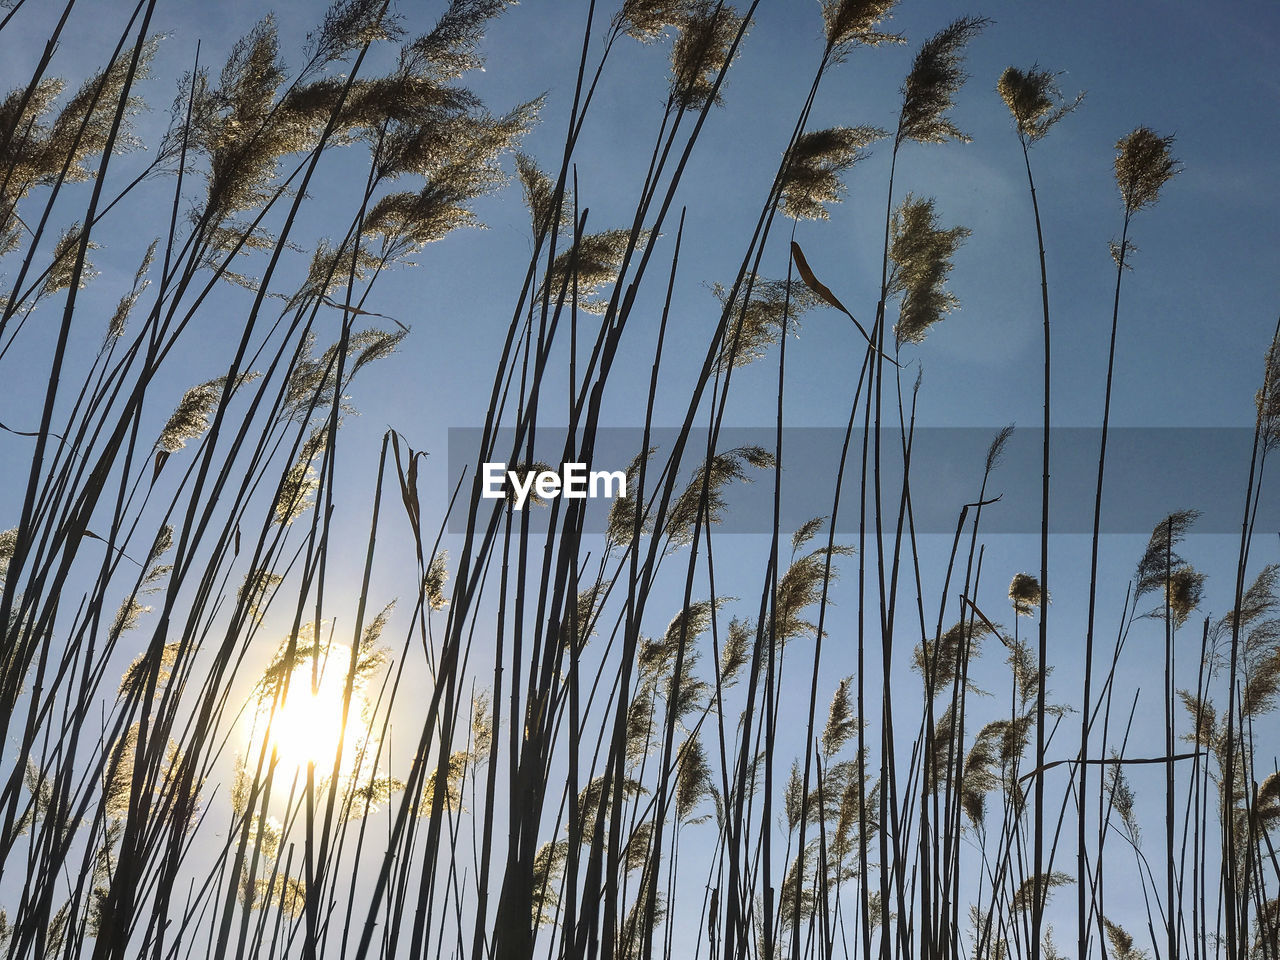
736,651
701,53
1160,559
62,271
851,22
1024,594
622,514
482,725
941,663
253,592
753,327
127,302
802,585
1144,164
191,419
300,481
349,25
1183,590
693,779
806,532
450,49
1122,947
812,177
995,452
937,73
1034,100
1038,885
1267,399
539,196
8,543
595,262
548,867
437,576
647,20
719,471
921,252
451,789
841,722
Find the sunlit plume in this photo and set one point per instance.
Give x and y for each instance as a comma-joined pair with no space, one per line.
301,716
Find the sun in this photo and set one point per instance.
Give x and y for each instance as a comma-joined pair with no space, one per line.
306,727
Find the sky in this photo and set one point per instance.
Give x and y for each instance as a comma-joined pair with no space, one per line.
1197,310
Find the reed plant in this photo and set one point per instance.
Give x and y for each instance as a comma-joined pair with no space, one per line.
358,715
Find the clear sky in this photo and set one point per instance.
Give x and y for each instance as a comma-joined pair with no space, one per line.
1197,310
1199,304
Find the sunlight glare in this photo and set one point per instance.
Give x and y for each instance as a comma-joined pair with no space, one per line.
307,725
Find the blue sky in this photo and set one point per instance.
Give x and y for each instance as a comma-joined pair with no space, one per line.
1196,315
1198,308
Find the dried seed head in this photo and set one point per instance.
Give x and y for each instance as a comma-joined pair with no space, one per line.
736,651
1024,594
1182,593
995,452
1038,886
841,722
753,327
724,468
127,302
1266,802
62,271
287,893
657,658
851,22
548,867
8,544
806,532
647,20
450,790
801,586
433,584
1122,798
701,53
921,252
1034,99
1122,947
300,482
482,725
233,124
191,419
349,25
812,177
1160,558
693,779
1267,398
622,515
940,663
937,73
1261,685
450,49
539,196
594,263
1143,165
991,750
332,269
253,592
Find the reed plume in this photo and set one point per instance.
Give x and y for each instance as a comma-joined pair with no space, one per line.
921,252
936,75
